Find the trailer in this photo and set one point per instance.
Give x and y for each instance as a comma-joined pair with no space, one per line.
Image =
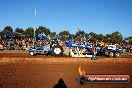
80,52
76,50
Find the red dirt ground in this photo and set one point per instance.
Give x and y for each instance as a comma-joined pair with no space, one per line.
14,54
44,72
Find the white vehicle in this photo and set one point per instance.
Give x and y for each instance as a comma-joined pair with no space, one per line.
112,47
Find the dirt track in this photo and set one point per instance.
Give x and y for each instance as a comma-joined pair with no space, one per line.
13,54
44,72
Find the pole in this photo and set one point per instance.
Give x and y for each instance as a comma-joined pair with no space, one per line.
35,13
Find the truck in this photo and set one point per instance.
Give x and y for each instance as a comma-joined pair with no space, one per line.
110,50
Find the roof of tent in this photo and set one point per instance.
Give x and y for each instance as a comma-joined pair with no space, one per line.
9,35
41,35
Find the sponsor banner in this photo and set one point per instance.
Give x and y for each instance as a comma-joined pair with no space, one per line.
103,79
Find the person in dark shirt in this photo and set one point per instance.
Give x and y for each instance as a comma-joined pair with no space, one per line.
60,84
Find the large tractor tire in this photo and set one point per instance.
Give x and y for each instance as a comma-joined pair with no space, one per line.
111,54
32,53
1,48
117,54
57,51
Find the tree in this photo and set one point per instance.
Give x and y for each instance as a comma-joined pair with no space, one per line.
1,33
107,38
101,38
42,29
7,30
64,35
80,34
93,37
47,31
29,33
116,37
52,35
87,36
16,34
19,30
71,37
93,40
128,40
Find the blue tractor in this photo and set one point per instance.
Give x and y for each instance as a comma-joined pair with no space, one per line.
53,48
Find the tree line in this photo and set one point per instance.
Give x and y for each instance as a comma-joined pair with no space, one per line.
80,35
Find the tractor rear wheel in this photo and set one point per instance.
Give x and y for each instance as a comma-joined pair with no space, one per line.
117,54
31,53
57,51
111,54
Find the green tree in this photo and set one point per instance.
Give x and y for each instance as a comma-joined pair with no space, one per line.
107,38
128,40
29,33
52,35
93,40
64,35
71,37
116,37
7,30
1,33
93,37
87,37
19,30
80,34
16,34
101,38
42,29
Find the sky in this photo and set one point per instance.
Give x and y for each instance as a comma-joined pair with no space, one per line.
99,16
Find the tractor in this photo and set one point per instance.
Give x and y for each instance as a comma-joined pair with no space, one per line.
53,48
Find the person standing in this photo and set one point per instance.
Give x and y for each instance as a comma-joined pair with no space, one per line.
94,53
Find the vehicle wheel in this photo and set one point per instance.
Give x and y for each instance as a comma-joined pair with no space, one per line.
32,53
117,54
1,49
57,51
111,54
48,54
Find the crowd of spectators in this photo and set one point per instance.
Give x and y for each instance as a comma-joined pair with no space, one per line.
21,44
25,44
